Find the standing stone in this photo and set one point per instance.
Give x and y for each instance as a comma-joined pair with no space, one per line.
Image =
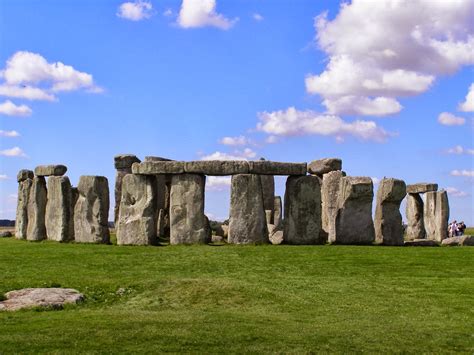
25,181
247,213
123,165
303,211
277,215
353,220
388,220
137,217
414,215
187,220
59,213
268,188
91,212
436,215
329,194
37,210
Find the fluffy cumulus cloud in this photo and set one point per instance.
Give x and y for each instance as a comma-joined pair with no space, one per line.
240,140
30,76
465,173
381,50
13,152
460,150
468,104
293,122
448,119
135,11
9,133
454,192
257,17
246,154
202,13
218,183
10,109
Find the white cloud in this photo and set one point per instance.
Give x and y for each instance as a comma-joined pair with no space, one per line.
3,177
257,17
135,11
240,140
297,123
272,139
383,50
468,104
168,12
454,192
218,183
26,92
13,152
460,150
448,119
246,154
10,109
9,133
465,173
202,13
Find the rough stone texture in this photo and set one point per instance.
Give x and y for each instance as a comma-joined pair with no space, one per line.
329,193
50,170
465,240
421,187
265,167
6,234
277,237
158,167
353,220
388,220
268,216
303,211
421,243
414,216
217,239
40,297
324,166
188,223
225,229
24,175
247,214
137,219
217,167
154,158
36,229
125,161
59,210
268,189
277,211
436,215
21,220
91,211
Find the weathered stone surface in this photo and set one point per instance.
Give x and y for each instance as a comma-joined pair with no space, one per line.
154,158
329,193
158,167
436,215
225,229
21,220
137,219
91,211
265,167
247,214
466,240
50,170
188,223
277,237
421,243
36,229
303,211
268,190
268,216
125,161
40,297
414,215
324,166
388,220
217,167
59,210
277,211
421,187
456,241
353,219
24,175
6,234
217,239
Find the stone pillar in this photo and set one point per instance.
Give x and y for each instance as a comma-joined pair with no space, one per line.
353,220
247,213
187,220
388,220
123,165
37,209
59,213
436,215
138,214
303,211
91,212
414,215
277,216
25,181
329,194
268,188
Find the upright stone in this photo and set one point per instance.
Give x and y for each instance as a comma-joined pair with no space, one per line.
138,214
25,181
303,211
247,213
163,186
59,213
436,215
91,212
277,216
268,188
353,220
329,194
415,219
388,220
123,165
187,220
37,209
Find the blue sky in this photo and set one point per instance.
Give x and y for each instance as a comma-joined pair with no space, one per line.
371,82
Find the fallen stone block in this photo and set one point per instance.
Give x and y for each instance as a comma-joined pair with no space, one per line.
40,297
421,243
217,167
265,167
324,166
421,187
50,170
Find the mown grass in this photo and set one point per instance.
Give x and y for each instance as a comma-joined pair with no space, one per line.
200,299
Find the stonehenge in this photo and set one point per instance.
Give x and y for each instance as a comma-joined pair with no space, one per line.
25,181
36,210
414,215
59,214
329,193
123,165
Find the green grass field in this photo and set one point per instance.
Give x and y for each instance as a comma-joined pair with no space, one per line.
199,299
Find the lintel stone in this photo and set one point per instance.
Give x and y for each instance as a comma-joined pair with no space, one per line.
265,167
421,188
50,170
217,167
158,167
324,166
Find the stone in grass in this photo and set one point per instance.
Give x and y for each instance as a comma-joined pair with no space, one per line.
40,297
465,240
6,234
421,243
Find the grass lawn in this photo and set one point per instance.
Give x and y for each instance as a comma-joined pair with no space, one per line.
242,298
